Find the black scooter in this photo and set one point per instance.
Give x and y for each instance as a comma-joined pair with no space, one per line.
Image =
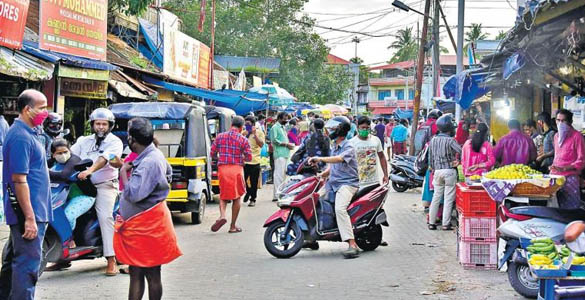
402,175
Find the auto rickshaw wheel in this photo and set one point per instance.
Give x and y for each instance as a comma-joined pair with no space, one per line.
197,216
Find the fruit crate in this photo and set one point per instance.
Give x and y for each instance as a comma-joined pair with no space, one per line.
474,202
477,228
527,189
478,254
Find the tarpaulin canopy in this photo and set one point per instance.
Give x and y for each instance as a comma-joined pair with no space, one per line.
465,87
277,95
154,43
241,102
151,110
403,114
19,64
513,64
32,48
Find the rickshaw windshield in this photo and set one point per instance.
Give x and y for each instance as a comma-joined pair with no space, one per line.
170,135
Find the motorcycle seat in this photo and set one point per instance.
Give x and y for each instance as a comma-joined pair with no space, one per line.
363,191
557,214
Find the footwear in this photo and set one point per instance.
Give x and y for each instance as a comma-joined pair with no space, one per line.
311,245
218,224
432,227
58,266
274,200
448,227
112,270
351,252
125,270
252,203
246,198
237,230
383,243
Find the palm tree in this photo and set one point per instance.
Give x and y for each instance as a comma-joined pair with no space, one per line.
501,35
476,33
405,46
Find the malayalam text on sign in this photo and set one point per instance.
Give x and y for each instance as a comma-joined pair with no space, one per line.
12,21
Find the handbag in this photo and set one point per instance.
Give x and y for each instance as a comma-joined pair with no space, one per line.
421,163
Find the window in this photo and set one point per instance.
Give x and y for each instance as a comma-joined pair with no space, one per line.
399,94
410,94
383,94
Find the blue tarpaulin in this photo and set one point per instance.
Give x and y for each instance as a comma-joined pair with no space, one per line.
465,87
513,64
151,110
32,48
403,114
241,102
154,44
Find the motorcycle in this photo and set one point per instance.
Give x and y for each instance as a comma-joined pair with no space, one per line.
403,176
305,217
520,225
56,246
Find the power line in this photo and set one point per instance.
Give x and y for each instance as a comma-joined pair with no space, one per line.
362,21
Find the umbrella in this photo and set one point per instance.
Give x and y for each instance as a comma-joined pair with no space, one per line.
277,95
336,109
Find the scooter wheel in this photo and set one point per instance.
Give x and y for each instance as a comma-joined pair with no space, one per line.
370,238
401,188
285,247
522,280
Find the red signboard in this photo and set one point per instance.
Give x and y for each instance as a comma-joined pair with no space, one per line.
204,53
77,27
12,20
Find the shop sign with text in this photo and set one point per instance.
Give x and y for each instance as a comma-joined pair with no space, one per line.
12,20
82,88
185,58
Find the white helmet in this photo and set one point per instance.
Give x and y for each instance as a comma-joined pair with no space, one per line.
102,114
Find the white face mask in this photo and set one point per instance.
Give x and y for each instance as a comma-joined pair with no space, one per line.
63,158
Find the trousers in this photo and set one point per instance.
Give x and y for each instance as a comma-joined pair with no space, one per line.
251,173
107,192
444,182
279,173
21,261
342,200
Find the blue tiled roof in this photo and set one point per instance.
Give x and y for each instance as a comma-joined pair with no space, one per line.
236,63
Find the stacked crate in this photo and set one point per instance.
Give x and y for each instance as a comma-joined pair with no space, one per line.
476,235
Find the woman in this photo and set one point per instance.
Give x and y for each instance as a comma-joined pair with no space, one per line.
304,129
293,136
316,144
477,154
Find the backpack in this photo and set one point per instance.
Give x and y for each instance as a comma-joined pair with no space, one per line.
421,163
421,138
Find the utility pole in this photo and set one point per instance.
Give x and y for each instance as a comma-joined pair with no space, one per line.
436,49
419,74
355,40
212,48
460,28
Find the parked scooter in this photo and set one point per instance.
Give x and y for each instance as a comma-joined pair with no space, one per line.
402,175
306,217
526,223
59,237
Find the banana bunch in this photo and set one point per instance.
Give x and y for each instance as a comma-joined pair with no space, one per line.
543,252
540,260
565,252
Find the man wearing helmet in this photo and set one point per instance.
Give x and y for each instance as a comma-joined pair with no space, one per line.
101,147
343,178
52,128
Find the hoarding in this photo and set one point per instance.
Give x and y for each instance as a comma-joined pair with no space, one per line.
12,20
82,88
185,58
76,27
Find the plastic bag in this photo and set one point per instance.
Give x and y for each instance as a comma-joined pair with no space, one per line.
264,150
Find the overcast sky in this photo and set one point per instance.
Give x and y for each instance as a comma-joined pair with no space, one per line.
378,17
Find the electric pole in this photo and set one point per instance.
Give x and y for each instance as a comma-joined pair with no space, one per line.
460,28
436,50
212,50
355,40
419,75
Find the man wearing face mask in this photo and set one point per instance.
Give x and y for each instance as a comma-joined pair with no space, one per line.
281,152
370,155
26,180
569,160
102,147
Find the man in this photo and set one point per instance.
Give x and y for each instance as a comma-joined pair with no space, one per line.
281,150
387,134
343,179
531,130
443,151
26,176
515,147
260,123
380,130
547,151
370,155
569,160
102,147
353,130
233,149
252,167
3,131
398,138
52,128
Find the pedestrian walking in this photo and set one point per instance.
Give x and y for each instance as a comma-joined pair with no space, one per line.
281,152
252,167
443,151
27,200
102,147
380,129
145,238
372,164
233,149
398,138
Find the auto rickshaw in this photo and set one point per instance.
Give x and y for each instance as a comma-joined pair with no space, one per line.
182,133
219,119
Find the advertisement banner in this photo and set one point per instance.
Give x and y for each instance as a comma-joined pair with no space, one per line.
83,88
76,27
185,58
12,20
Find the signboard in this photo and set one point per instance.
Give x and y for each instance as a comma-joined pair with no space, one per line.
12,20
82,88
185,58
76,27
576,105
79,73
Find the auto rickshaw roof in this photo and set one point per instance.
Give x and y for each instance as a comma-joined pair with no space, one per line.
153,110
215,111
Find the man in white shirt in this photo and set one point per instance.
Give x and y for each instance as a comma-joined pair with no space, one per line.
102,147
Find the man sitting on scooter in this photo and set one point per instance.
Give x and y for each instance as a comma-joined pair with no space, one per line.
343,178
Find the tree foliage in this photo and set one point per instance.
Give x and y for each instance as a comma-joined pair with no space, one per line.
501,35
271,28
405,46
476,33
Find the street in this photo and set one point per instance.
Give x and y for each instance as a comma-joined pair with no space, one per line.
417,264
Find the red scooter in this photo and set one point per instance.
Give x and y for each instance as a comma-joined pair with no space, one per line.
304,217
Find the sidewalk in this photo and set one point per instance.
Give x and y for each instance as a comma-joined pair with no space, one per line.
4,233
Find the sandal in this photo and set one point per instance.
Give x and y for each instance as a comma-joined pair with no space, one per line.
448,227
432,227
237,230
218,224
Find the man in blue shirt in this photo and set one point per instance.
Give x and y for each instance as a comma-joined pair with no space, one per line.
3,130
26,177
343,179
398,138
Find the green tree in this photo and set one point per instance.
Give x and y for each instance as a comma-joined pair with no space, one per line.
356,60
271,28
405,46
476,33
501,35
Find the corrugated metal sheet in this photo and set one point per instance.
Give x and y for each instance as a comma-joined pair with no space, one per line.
19,64
126,90
236,63
32,48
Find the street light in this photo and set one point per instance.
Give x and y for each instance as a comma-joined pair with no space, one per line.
400,5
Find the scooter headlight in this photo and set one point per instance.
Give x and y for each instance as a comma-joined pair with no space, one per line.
287,197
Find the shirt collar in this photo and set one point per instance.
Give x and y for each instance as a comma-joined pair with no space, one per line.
21,123
144,153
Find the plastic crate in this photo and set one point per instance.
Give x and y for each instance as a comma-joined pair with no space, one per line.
477,228
478,254
479,267
474,202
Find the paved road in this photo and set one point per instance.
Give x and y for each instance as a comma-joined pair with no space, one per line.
236,266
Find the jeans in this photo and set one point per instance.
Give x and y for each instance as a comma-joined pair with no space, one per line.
21,261
252,173
444,182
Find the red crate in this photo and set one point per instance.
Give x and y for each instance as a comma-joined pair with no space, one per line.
478,253
474,202
477,228
479,267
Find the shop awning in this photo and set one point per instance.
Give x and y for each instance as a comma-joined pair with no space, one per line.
126,90
32,48
466,86
20,64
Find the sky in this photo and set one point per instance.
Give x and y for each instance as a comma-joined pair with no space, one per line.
379,17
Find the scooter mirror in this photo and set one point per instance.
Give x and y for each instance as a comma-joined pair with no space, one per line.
575,238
